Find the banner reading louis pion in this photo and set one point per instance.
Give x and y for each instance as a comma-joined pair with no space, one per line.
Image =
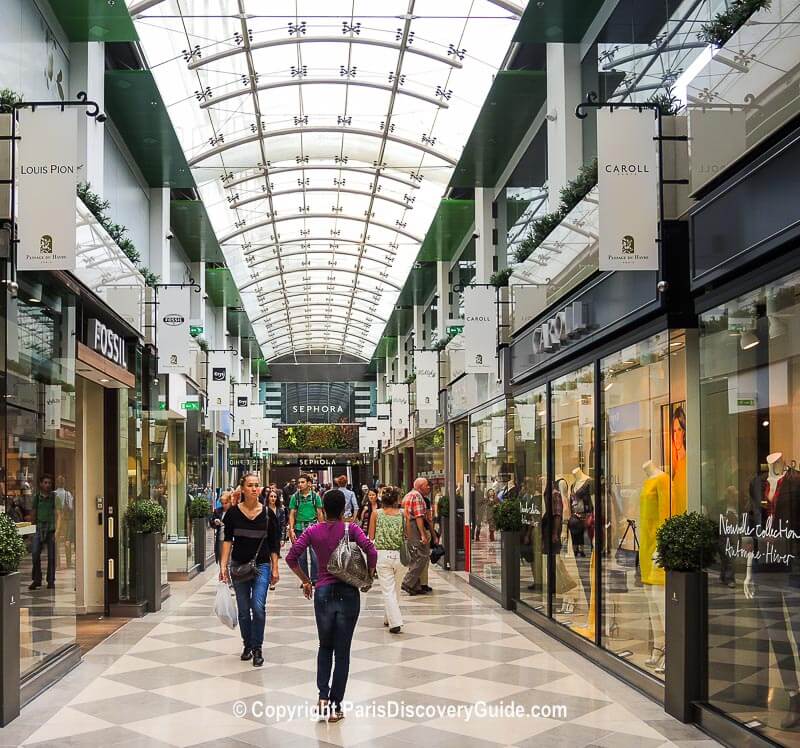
627,179
47,175
480,329
172,329
218,380
426,369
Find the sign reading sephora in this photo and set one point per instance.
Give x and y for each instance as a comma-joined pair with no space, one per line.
627,178
326,402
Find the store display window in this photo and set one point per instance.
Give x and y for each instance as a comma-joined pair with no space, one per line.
750,486
574,493
429,455
39,491
492,481
643,396
541,526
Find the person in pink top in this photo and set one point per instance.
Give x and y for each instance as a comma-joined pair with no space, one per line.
336,603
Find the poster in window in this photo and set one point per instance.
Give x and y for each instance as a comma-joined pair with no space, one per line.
673,429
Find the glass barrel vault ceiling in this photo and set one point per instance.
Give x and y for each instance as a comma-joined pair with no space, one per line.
322,135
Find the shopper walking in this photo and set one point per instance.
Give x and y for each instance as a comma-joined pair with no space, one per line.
419,551
251,534
336,604
368,507
350,501
44,518
386,531
216,522
305,510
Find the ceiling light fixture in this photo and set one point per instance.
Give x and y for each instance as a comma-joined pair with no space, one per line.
748,340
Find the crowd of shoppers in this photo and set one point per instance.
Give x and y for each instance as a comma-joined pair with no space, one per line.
394,534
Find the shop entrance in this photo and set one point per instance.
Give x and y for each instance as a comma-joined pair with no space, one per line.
101,491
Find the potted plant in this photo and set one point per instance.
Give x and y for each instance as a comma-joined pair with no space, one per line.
685,545
145,521
12,549
508,521
199,511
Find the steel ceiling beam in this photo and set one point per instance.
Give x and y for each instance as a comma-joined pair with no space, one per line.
307,190
309,239
319,167
318,129
297,216
318,268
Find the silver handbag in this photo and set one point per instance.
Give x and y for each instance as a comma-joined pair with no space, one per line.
347,562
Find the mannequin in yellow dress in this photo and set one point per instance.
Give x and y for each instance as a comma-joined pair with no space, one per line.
653,511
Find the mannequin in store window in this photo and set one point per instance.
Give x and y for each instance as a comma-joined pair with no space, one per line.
653,512
780,506
581,511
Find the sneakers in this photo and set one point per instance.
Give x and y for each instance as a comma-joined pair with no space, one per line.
247,654
258,659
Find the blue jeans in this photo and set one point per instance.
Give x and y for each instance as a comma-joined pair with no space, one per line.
336,608
303,561
251,602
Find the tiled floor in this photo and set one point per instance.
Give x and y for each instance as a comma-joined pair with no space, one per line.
174,679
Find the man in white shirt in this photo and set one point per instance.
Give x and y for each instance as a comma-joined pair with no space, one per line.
350,501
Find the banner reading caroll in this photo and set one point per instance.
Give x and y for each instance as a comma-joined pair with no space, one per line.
480,329
172,329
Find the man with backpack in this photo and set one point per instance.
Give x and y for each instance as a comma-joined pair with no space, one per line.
305,509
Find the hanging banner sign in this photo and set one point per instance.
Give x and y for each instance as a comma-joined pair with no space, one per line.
480,329
218,380
498,432
399,394
526,412
426,419
47,177
383,418
426,368
52,407
172,330
627,178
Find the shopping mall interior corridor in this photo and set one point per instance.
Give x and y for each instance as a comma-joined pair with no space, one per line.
174,678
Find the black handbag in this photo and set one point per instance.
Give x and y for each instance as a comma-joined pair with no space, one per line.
249,570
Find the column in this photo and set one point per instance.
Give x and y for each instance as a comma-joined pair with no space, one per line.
443,293
87,68
484,244
419,326
159,260
564,143
501,230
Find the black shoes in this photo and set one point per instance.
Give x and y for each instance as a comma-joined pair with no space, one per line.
34,585
258,659
247,653
394,630
410,591
425,588
51,586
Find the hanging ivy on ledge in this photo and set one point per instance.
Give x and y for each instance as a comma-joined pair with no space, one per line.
727,22
7,100
571,194
499,279
98,207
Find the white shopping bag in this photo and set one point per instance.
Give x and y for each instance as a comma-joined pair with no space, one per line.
225,606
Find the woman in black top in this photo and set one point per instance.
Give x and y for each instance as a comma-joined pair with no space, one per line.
251,531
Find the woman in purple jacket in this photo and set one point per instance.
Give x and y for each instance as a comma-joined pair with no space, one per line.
336,603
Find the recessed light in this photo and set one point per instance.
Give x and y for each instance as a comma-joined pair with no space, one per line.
105,380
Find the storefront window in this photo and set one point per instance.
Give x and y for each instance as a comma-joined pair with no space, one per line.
430,461
530,460
40,458
750,486
492,482
643,395
461,480
574,492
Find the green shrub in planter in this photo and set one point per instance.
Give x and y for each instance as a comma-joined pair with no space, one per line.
145,516
200,507
508,516
12,547
686,542
443,507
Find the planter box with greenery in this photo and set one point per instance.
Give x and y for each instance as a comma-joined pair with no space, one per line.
199,510
685,545
12,549
508,520
727,22
145,521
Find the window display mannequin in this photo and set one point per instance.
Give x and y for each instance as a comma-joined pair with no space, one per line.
653,511
778,560
581,511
